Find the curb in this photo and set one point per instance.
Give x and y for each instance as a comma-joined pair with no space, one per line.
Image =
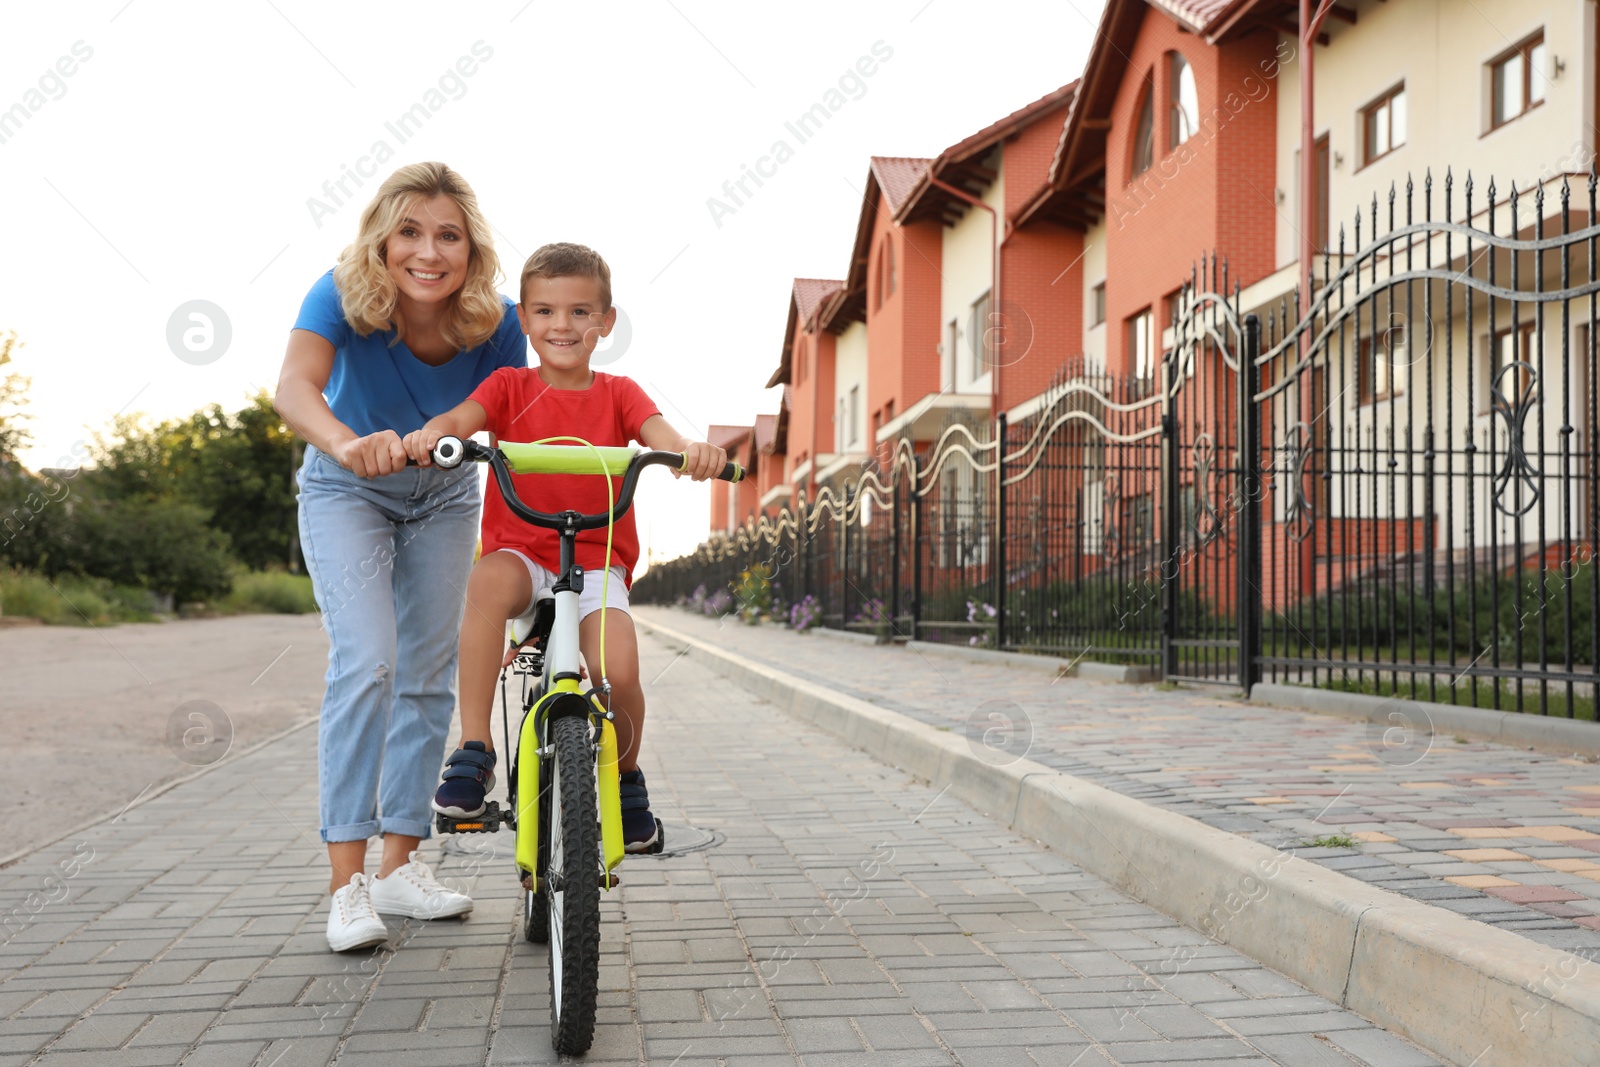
848,635
1565,736
990,655
1464,990
1112,672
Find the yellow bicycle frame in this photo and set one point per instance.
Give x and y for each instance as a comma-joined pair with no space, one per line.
543,458
566,691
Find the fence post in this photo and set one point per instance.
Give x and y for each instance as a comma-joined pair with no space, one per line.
1170,525
916,555
894,554
844,559
1000,531
802,545
1248,560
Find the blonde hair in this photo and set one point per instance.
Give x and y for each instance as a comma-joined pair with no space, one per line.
567,260
367,292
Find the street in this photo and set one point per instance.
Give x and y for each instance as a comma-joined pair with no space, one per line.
845,913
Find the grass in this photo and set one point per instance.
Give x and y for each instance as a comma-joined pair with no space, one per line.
1331,841
73,600
269,593
70,600
1486,694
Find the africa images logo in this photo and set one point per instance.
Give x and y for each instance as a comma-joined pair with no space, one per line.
804,127
451,85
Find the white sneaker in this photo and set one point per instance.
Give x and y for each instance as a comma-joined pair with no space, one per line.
351,921
413,892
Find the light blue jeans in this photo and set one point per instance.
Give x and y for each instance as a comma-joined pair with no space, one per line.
388,559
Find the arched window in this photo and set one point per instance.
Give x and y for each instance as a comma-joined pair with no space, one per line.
1144,138
884,288
1184,122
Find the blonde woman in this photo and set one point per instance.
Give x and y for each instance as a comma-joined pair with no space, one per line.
402,329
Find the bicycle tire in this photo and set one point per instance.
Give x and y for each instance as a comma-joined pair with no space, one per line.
535,917
572,885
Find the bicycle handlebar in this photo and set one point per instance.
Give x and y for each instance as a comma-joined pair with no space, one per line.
451,452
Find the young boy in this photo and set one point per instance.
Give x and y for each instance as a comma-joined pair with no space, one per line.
565,310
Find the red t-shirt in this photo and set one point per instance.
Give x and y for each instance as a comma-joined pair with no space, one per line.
521,407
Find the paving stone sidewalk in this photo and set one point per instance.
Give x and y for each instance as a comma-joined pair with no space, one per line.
1508,836
849,915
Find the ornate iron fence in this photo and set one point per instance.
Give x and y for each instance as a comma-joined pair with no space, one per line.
1392,491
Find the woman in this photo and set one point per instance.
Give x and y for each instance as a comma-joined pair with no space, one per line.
402,329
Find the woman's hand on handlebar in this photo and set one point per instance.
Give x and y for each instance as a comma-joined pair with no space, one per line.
371,456
701,460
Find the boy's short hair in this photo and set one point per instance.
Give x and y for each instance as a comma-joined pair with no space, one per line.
566,260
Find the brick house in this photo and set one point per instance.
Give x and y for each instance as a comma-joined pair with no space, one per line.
732,504
1088,209
806,368
971,192
886,316
1185,138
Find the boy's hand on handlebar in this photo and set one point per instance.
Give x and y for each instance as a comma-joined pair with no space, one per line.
419,445
702,460
372,456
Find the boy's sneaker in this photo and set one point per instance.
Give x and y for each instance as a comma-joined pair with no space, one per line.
640,830
352,922
413,891
468,777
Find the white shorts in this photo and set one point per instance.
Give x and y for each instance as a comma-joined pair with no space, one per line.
615,591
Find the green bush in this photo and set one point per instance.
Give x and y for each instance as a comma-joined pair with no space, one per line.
1523,614
269,593
163,546
72,600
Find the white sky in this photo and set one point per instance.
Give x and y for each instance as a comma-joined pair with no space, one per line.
176,162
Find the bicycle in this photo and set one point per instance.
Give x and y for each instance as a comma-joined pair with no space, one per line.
563,798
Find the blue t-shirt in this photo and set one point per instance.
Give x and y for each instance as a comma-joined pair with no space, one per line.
379,385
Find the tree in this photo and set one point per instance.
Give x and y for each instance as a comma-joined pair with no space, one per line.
237,467
240,468
13,395
164,546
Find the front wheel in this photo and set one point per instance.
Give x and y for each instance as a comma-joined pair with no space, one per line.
572,885
535,919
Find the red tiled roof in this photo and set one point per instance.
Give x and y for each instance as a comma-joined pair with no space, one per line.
961,163
897,176
1196,14
1078,170
726,436
766,426
996,130
804,298
809,292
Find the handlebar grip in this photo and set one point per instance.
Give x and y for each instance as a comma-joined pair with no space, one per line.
732,472
449,452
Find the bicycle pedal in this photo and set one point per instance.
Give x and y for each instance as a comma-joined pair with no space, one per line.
488,822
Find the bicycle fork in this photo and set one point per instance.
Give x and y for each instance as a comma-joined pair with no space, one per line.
566,699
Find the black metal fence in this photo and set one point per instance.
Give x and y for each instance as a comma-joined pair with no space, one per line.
1393,491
